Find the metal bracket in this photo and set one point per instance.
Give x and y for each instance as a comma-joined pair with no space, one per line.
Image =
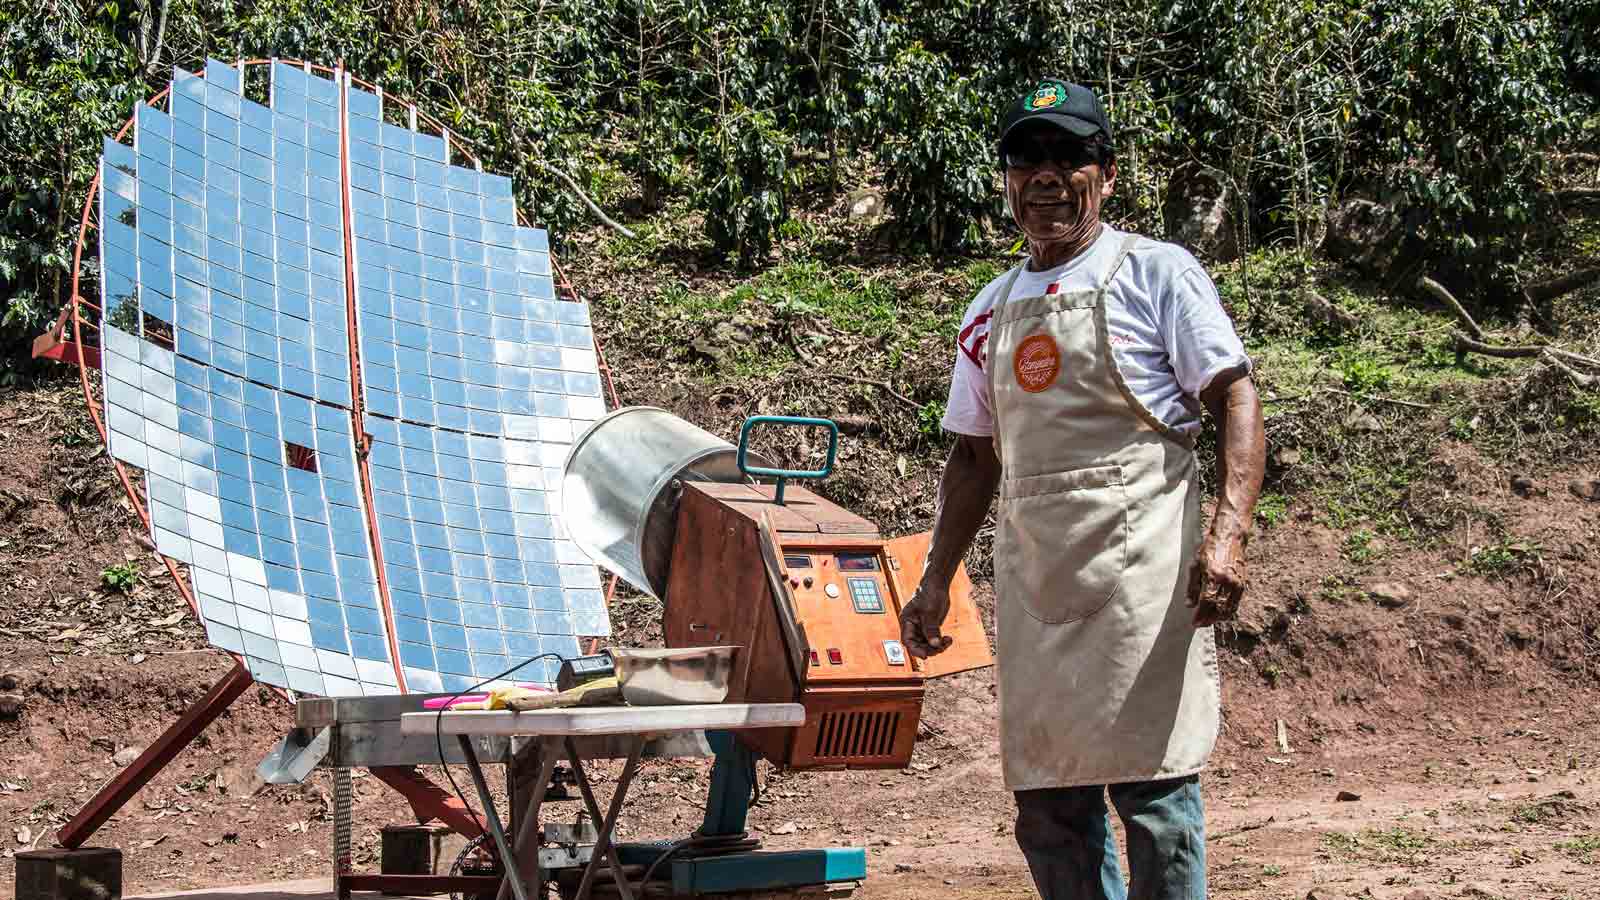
295,756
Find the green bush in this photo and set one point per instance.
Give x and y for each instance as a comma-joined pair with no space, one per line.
1445,109
938,150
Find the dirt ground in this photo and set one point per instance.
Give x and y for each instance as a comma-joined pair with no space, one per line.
1456,712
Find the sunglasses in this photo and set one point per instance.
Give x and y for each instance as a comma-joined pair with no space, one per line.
1068,155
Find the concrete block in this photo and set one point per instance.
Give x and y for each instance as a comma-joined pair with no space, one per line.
88,873
412,849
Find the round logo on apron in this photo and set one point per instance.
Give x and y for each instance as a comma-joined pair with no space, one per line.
1037,363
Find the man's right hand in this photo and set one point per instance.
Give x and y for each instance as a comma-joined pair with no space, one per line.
921,619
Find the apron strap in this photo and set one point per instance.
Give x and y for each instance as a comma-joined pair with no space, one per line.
999,313
1122,255
999,310
1143,412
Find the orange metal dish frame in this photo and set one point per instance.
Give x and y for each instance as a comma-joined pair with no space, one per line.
57,344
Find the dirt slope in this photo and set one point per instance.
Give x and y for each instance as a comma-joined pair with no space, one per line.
1459,706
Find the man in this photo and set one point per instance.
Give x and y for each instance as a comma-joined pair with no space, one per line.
1077,392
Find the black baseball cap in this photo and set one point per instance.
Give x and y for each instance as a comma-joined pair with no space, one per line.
1071,107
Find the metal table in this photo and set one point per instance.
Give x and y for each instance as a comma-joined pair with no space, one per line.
343,733
555,730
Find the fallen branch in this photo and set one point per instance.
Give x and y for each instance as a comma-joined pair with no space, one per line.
884,386
1394,400
593,207
1566,284
1577,377
1465,344
1578,358
1444,296
1558,359
1581,193
1233,832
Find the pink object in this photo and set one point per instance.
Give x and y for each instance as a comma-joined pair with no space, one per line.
445,702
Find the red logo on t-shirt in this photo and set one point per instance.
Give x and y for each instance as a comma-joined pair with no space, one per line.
972,339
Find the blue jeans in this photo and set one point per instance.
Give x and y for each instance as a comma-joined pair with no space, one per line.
1065,834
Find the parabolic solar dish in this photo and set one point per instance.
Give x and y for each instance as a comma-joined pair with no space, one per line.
283,285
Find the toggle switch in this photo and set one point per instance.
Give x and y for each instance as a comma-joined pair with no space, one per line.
835,657
815,661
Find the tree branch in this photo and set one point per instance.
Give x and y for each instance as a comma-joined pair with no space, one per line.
1466,344
593,207
884,386
1444,296
1394,400
161,34
1566,284
1582,380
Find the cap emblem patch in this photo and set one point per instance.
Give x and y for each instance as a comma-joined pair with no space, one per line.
1047,95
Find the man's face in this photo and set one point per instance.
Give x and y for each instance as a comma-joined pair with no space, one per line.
1055,185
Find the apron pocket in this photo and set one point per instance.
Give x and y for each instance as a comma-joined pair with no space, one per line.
1062,542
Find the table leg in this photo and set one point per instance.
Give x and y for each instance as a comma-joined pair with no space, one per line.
508,859
528,819
602,844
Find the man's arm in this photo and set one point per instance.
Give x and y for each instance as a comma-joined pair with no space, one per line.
966,488
1217,581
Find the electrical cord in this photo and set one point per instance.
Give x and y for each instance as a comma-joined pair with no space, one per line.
438,719
701,845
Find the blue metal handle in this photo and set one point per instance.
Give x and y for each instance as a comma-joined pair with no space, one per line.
784,474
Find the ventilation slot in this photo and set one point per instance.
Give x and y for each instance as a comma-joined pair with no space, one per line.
856,735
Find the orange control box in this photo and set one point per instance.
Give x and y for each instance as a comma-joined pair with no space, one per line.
812,594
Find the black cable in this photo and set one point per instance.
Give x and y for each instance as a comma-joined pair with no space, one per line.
438,720
701,845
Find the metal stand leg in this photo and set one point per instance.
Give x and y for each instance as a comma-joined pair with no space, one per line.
527,820
508,858
602,844
343,824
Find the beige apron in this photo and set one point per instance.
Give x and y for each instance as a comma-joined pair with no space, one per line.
1103,677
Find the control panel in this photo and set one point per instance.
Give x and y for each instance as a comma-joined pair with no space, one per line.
813,593
845,598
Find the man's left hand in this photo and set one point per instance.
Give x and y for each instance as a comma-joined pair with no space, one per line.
1217,581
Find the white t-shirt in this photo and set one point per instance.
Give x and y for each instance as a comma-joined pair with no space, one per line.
1169,334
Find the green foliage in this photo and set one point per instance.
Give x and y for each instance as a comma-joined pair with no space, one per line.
743,160
122,577
939,149
1502,558
1445,109
1361,372
67,78
1358,547
1272,508
1585,849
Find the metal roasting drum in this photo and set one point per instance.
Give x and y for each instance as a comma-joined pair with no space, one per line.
621,483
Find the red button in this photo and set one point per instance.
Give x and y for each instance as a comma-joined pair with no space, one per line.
835,657
814,660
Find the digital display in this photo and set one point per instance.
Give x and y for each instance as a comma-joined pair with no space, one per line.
797,562
858,562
